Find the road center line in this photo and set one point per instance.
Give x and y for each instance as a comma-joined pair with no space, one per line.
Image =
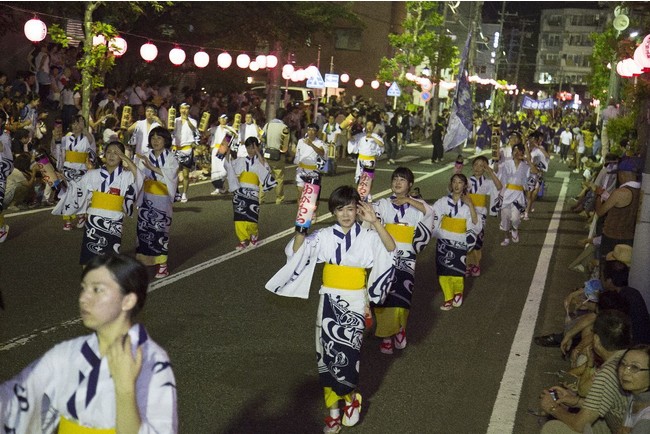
505,407
26,338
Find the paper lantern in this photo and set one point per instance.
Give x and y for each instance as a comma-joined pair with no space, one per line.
35,30
201,59
148,52
243,61
253,66
620,69
311,71
302,75
427,85
117,46
295,77
271,61
99,40
224,60
374,84
177,56
642,54
409,76
288,68
286,75
345,78
358,82
633,67
261,61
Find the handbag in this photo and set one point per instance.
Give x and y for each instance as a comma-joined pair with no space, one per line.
272,154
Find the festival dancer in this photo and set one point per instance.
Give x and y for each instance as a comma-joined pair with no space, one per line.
111,191
218,170
409,221
77,154
456,225
347,250
186,135
244,177
540,159
480,187
116,379
141,130
514,174
369,146
160,170
6,166
310,152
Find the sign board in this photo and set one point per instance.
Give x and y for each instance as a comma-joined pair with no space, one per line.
332,80
316,81
394,90
426,96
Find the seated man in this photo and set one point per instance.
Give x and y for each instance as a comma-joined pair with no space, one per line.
604,407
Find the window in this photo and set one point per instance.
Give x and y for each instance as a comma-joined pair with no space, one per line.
550,59
554,20
580,40
553,40
347,39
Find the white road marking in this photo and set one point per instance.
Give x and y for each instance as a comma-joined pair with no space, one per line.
26,338
505,407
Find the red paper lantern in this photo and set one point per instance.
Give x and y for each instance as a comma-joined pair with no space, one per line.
148,52
35,30
177,56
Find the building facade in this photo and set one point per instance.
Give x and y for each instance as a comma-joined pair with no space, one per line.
565,46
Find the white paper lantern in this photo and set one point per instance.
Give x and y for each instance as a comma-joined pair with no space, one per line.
427,85
286,75
35,30
409,76
254,66
201,59
302,75
224,60
295,77
358,82
243,61
345,78
117,46
148,52
271,61
177,56
374,84
311,71
633,67
99,40
641,57
261,61
288,68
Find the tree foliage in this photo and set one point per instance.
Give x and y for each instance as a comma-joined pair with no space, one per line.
604,52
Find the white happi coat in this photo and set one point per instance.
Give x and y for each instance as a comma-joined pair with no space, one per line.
122,180
141,135
326,245
72,380
306,156
510,174
218,169
482,186
445,206
362,145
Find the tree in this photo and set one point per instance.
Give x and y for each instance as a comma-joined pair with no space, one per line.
422,41
604,53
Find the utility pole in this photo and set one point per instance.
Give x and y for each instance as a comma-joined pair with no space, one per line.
474,29
436,72
497,61
522,35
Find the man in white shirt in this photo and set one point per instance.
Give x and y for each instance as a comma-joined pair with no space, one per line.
140,130
185,137
565,143
309,153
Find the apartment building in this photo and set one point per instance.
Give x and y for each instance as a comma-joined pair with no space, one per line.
565,46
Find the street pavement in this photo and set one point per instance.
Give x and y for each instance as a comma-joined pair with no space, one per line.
244,358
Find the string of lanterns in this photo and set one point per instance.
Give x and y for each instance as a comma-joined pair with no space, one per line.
638,64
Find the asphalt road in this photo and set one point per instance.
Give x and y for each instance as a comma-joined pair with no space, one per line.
244,358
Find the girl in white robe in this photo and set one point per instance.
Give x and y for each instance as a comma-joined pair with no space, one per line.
347,251
456,225
114,380
159,167
77,152
111,192
409,221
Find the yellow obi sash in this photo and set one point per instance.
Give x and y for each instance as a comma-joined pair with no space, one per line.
515,187
182,148
344,277
67,426
366,157
76,157
452,224
307,166
479,199
158,188
249,178
401,233
109,202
